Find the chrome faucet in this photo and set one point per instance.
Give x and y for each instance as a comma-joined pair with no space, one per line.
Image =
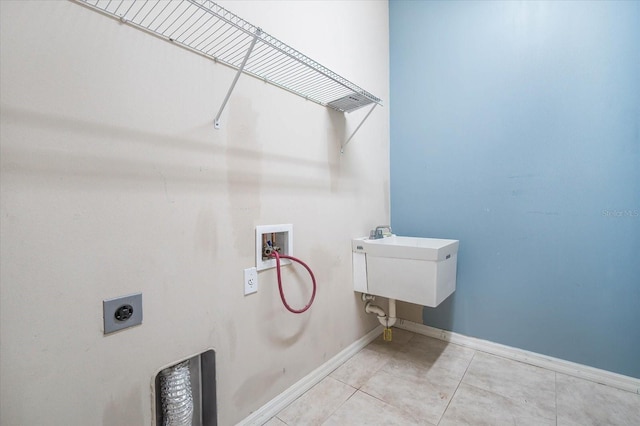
378,233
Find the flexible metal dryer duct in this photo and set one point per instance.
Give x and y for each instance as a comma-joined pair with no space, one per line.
176,396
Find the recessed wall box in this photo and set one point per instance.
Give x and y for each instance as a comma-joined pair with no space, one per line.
273,238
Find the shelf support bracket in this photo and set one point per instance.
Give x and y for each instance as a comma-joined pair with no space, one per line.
357,128
216,121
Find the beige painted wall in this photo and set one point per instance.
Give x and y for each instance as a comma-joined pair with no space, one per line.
409,311
114,181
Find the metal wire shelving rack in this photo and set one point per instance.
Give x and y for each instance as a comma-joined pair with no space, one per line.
207,28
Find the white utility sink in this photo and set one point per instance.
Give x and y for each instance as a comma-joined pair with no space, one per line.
411,269
407,247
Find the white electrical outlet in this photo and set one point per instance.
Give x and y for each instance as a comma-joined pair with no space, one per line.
250,281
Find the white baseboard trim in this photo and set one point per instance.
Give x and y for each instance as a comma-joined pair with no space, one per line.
277,404
597,375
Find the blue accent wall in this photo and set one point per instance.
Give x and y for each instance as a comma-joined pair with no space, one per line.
515,128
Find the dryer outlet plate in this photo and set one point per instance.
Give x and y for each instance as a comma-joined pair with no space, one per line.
122,312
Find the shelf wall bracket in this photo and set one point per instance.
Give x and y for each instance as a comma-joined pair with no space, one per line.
357,128
216,121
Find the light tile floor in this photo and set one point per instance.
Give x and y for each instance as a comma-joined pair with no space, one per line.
417,380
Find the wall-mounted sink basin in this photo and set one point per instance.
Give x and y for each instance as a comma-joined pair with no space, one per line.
412,269
407,247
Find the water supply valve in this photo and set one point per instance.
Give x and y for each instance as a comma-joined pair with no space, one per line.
272,239
268,249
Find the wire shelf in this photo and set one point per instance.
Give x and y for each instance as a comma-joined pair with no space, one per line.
209,29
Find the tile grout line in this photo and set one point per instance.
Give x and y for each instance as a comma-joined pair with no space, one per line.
343,402
407,413
457,387
498,395
509,397
390,357
278,419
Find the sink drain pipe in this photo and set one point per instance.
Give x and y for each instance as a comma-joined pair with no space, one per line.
386,320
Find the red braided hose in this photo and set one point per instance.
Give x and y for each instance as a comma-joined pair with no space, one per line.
279,256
